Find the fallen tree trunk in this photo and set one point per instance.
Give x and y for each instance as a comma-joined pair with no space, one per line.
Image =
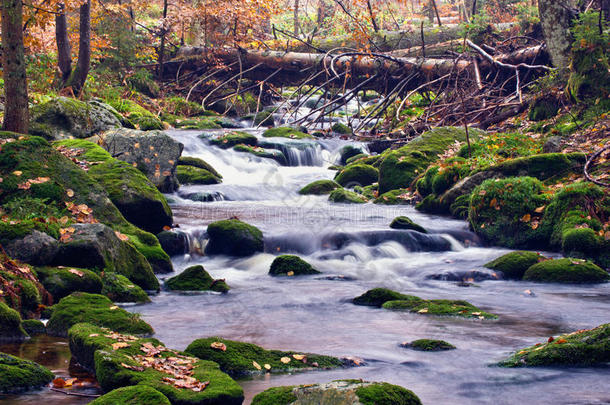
380,72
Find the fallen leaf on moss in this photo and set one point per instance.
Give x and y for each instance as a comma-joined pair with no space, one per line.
218,346
285,360
256,365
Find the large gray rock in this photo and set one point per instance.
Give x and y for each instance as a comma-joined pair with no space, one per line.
153,152
97,246
37,248
64,117
466,185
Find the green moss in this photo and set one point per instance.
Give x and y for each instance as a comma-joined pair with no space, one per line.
430,345
138,115
33,327
459,208
195,175
358,174
291,265
199,163
119,289
10,325
234,138
432,204
18,375
92,348
348,152
340,128
204,123
386,394
356,159
458,308
400,167
394,197
341,195
502,211
542,166
566,271
263,153
378,296
97,310
406,223
264,118
143,82
275,396
514,264
134,395
285,132
238,359
29,295
544,108
62,281
234,237
319,187
580,348
195,278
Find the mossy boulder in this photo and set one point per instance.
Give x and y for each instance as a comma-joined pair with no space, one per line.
97,310
357,175
17,375
122,360
401,166
580,348
199,163
174,242
34,247
566,271
231,139
132,395
378,296
285,132
544,108
10,325
290,265
143,119
342,195
240,359
264,118
457,308
205,123
119,289
276,155
195,175
338,392
319,187
394,197
349,151
429,345
233,237
355,159
406,223
195,278
514,264
340,128
143,82
65,117
63,281
33,327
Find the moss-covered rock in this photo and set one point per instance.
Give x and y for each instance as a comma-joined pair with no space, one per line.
33,327
97,310
17,375
356,159
580,348
357,174
199,163
66,118
132,395
276,155
234,138
400,167
285,132
195,175
143,119
378,296
63,281
544,108
566,271
429,345
119,289
341,195
319,187
514,264
121,360
195,278
233,237
205,123
406,223
241,358
173,242
457,308
340,128
394,197
264,118
10,325
142,81
349,151
338,392
290,265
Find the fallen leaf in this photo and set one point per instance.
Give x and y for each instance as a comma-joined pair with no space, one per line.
539,210
298,356
121,236
112,308
267,366
77,272
17,172
285,360
218,346
59,383
256,365
526,218
119,345
70,193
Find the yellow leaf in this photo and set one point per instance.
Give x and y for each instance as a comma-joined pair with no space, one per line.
526,218
17,172
539,210
285,360
256,365
112,308
119,345
70,192
298,356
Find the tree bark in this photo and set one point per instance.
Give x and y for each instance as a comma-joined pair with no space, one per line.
296,18
162,45
64,51
556,18
79,75
16,114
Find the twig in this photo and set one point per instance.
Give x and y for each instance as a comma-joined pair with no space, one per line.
76,394
588,165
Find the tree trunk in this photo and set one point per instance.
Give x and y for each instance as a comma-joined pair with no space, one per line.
372,14
296,18
162,45
16,114
64,51
79,75
556,17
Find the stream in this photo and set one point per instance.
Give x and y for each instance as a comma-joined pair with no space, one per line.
354,248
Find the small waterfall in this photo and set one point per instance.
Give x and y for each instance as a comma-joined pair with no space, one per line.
299,154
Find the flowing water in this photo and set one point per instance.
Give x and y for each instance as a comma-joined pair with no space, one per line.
354,248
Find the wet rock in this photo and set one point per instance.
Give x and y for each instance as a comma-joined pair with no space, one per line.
20,375
204,196
154,153
34,327
406,223
429,345
276,155
10,326
320,187
119,289
341,195
173,242
348,152
514,264
264,118
340,128
552,144
195,278
286,132
133,395
464,276
63,281
566,271
233,237
195,175
37,248
357,174
199,163
378,296
290,265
